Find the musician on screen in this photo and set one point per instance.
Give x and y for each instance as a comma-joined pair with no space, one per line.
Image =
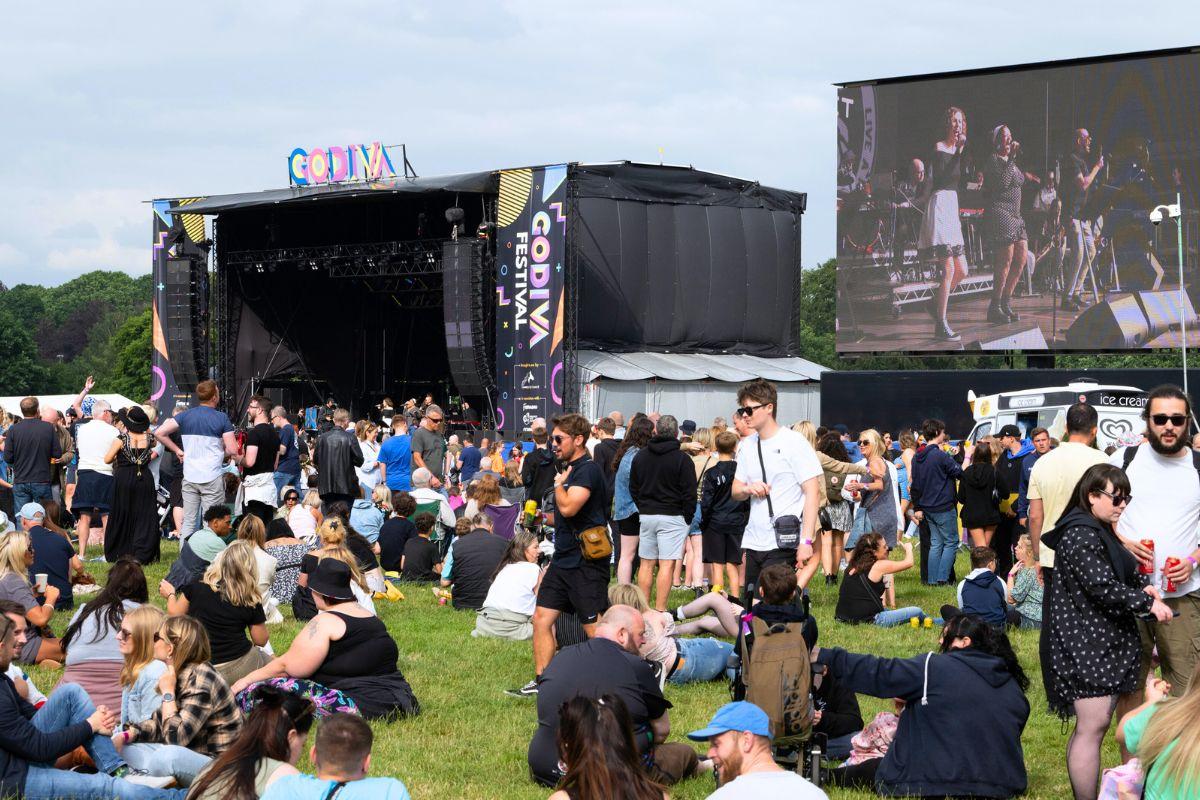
1003,225
941,231
1078,174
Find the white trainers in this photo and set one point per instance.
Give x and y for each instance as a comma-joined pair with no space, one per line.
143,778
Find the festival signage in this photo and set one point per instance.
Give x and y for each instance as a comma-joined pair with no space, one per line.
530,258
338,164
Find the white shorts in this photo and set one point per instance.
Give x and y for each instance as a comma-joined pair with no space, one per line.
661,537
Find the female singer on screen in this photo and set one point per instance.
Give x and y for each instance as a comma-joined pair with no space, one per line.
941,232
1003,226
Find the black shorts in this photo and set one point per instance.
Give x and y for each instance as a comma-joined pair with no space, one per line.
581,590
721,546
175,487
630,526
758,560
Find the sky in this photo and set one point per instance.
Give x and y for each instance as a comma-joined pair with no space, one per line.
109,105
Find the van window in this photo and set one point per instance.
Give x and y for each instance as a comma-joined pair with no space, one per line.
1027,422
981,430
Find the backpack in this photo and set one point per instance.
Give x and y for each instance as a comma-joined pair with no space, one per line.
777,676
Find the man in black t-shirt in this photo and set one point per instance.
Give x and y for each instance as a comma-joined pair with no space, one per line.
473,561
609,664
259,460
572,584
29,447
421,563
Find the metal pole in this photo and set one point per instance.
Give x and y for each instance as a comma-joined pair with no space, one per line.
1182,306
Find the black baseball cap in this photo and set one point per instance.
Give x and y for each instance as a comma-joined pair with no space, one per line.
1010,430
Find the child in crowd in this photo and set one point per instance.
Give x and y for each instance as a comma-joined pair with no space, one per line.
722,519
1024,588
982,593
421,562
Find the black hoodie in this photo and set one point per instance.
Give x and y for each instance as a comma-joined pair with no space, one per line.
21,743
954,699
662,480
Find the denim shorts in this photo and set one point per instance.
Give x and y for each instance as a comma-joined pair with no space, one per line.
661,537
701,659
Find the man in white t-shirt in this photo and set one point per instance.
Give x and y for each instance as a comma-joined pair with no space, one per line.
739,744
778,471
94,478
1165,509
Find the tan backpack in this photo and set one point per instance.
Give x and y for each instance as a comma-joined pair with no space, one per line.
777,675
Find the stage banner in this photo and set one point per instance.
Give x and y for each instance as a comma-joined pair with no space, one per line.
530,257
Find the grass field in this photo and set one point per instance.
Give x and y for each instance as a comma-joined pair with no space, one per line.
470,739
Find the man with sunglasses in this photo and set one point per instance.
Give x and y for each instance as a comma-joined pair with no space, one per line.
778,471
1164,478
429,446
287,471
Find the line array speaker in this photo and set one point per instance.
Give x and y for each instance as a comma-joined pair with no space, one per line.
184,321
462,306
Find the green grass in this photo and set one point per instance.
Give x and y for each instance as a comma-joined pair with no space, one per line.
470,739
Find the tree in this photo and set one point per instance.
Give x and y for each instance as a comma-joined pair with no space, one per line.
130,349
20,372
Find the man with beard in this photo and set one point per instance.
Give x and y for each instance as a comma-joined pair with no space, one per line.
739,744
1166,510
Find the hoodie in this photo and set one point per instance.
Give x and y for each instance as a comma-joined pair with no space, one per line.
983,594
366,519
662,480
1027,463
943,692
1008,471
934,473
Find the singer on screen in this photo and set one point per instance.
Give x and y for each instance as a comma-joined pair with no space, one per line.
1004,227
941,233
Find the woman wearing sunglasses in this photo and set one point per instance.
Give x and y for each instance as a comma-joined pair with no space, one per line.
140,670
878,512
1094,602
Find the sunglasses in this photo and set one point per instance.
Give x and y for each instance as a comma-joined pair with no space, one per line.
125,633
1118,499
746,411
864,442
291,498
559,439
158,637
1177,420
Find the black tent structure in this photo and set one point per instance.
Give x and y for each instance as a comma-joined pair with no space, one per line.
484,286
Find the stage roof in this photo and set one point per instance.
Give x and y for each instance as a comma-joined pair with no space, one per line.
697,366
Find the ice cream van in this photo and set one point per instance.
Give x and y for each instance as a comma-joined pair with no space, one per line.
1119,409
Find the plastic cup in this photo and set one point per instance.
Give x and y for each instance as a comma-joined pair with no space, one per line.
39,581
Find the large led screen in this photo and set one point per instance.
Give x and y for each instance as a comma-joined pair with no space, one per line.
1010,210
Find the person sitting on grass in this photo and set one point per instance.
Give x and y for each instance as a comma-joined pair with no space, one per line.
778,604
199,550
367,514
1024,587
198,718
268,748
343,647
140,670
332,539
608,663
677,659
20,678
33,739
982,593
860,596
1162,733
342,757
16,556
228,604
507,611
252,530
422,561
945,694
472,561
739,745
596,743
396,531
364,552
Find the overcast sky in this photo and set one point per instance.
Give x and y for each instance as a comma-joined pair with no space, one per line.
111,104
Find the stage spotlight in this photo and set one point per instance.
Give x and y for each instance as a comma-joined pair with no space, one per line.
455,217
259,267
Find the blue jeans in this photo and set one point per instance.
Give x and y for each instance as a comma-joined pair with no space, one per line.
283,479
899,616
702,659
166,759
943,543
29,493
840,747
68,705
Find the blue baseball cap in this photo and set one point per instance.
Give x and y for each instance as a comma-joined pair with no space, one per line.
739,716
31,510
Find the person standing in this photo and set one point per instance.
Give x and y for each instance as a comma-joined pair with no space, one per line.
428,446
287,471
1009,467
662,482
778,471
1166,510
94,479
1004,227
934,497
941,233
538,468
395,457
30,447
1040,437
59,466
468,462
208,440
259,461
336,455
133,523
1077,179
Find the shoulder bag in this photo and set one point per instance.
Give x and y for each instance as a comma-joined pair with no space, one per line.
787,527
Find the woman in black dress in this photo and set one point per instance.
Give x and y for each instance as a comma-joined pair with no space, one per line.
1094,602
979,491
133,519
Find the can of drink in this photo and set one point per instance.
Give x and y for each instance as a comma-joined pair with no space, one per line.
1168,585
1142,567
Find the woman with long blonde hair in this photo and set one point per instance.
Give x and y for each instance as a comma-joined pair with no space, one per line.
941,237
1162,733
877,514
228,602
368,472
16,557
141,670
252,531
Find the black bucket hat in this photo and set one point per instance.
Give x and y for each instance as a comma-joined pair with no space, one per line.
331,579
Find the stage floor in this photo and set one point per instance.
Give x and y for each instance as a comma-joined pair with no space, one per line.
1040,326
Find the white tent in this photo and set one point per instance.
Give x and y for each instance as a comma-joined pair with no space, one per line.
693,386
61,402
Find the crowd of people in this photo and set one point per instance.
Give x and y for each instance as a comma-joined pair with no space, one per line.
578,539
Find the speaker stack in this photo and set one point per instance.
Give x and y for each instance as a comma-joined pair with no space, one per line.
462,311
1142,319
184,321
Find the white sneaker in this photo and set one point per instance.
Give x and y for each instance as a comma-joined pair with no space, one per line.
142,778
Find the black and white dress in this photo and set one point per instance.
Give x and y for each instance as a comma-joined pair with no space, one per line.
1002,221
1094,600
941,231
